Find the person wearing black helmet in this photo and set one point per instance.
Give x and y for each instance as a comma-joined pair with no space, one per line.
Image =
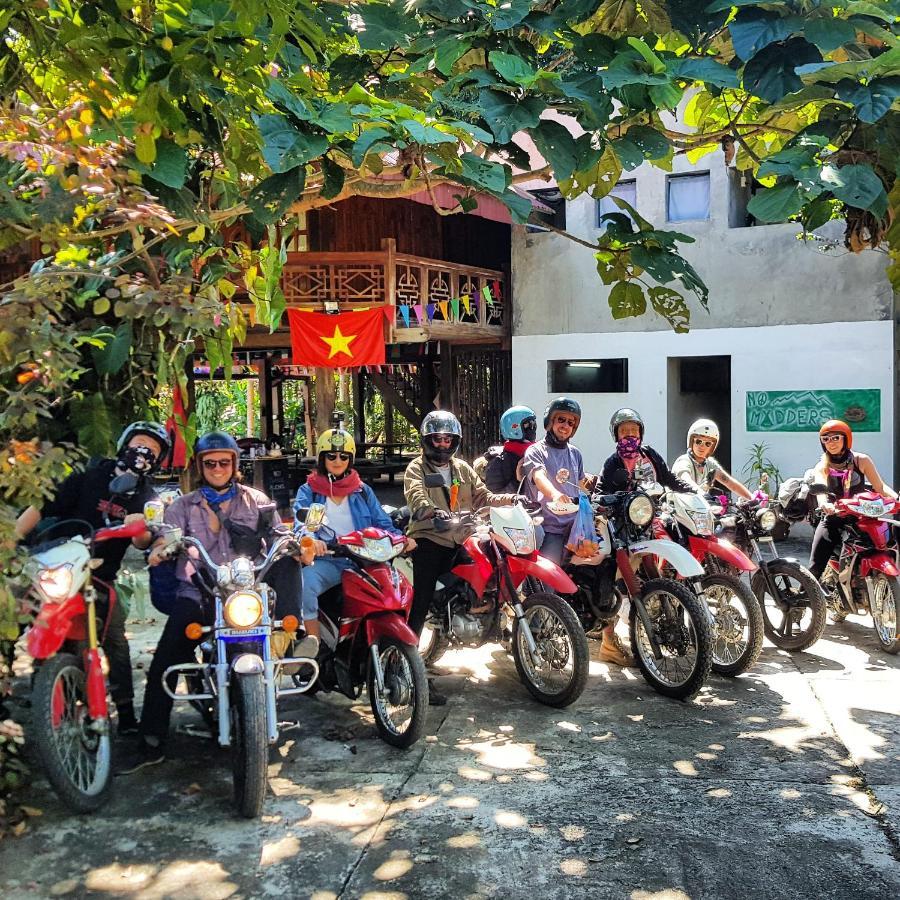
86,495
229,519
462,491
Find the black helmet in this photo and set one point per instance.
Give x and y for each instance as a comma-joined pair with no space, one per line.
217,441
562,404
150,429
440,422
620,416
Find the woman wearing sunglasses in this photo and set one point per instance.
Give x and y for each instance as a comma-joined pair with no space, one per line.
844,473
698,467
350,505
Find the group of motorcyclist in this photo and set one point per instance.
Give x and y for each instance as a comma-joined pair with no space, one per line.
230,518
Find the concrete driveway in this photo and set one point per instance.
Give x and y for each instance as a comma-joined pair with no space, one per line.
781,783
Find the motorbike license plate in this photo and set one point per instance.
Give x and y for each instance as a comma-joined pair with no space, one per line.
242,632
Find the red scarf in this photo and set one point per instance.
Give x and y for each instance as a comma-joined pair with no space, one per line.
343,487
517,447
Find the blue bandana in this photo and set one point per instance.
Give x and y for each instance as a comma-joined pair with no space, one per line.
214,498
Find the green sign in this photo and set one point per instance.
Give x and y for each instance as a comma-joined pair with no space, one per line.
807,410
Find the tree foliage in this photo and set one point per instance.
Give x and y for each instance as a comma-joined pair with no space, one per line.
134,137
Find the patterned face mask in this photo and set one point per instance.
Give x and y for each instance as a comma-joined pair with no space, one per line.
139,460
628,447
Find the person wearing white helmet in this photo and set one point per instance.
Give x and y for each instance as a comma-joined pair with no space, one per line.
698,467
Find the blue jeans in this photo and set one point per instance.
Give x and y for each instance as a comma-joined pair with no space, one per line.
318,578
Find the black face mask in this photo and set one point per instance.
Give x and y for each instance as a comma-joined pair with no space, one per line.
139,460
529,429
553,441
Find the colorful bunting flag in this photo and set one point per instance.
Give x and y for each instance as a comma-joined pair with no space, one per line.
486,293
467,304
454,306
404,314
429,311
442,305
417,309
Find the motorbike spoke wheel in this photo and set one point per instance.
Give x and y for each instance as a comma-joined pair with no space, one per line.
76,756
682,630
432,642
249,743
884,600
794,617
558,677
738,629
400,709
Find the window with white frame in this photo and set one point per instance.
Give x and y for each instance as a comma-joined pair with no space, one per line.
687,197
624,190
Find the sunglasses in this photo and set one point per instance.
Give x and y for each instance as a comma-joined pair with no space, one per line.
703,442
831,438
216,463
565,420
343,457
441,439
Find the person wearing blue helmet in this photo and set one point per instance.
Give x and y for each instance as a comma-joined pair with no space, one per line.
500,467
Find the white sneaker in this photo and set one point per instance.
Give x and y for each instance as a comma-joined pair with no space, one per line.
307,648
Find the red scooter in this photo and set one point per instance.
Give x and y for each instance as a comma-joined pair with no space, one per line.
866,577
71,708
365,640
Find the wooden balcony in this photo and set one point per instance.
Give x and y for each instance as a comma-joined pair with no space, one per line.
418,291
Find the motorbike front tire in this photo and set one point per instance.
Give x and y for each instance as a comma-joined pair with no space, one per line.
811,589
699,620
577,642
60,689
755,629
885,629
418,687
249,743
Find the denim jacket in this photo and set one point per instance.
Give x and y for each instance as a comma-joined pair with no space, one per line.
364,507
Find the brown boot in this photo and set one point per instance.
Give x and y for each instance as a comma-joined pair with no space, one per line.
613,651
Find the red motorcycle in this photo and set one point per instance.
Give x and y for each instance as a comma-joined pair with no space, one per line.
365,640
866,576
72,719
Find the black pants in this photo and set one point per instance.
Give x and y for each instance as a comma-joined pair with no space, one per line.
430,561
175,647
828,537
115,646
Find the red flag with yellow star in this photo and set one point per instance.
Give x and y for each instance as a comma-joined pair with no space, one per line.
337,341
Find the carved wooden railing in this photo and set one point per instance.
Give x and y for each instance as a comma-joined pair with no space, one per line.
427,294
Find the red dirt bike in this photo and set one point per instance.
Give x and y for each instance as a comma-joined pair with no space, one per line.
72,719
738,627
866,576
365,640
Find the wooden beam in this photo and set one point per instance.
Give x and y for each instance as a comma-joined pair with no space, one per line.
410,413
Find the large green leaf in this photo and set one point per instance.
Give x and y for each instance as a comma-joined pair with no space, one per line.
285,146
272,197
672,307
511,67
754,29
519,207
370,139
857,186
287,100
626,299
870,101
770,74
504,115
110,358
169,167
649,141
829,33
334,176
557,146
386,25
707,70
448,52
505,15
776,204
484,174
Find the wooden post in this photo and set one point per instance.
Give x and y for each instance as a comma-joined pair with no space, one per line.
265,400
359,407
307,418
448,393
389,246
325,398
251,403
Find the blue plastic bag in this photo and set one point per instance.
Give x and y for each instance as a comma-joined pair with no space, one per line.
583,540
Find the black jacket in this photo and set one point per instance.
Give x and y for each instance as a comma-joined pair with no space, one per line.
663,473
500,472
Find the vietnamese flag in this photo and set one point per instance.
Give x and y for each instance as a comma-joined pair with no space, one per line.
337,341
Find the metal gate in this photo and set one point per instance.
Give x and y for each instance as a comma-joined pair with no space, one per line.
482,390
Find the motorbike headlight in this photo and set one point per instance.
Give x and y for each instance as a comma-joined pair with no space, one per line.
56,583
640,510
766,519
703,522
243,609
380,549
241,572
522,540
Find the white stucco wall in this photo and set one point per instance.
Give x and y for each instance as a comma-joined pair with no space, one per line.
833,356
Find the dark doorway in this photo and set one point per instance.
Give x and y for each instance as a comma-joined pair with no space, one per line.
699,387
482,390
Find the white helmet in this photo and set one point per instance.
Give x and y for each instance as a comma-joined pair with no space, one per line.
703,428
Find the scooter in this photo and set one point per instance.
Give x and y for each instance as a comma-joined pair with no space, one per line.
73,722
365,640
738,629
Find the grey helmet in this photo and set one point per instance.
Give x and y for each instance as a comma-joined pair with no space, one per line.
620,416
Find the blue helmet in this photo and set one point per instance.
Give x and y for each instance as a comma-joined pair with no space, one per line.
518,423
217,440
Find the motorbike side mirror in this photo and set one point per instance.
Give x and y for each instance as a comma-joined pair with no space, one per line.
124,483
315,516
434,480
154,512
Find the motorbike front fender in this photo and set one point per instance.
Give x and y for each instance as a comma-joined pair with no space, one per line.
55,623
248,664
879,562
544,570
723,549
682,561
389,625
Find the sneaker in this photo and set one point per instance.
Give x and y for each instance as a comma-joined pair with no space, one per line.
307,648
127,723
435,698
613,651
140,756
